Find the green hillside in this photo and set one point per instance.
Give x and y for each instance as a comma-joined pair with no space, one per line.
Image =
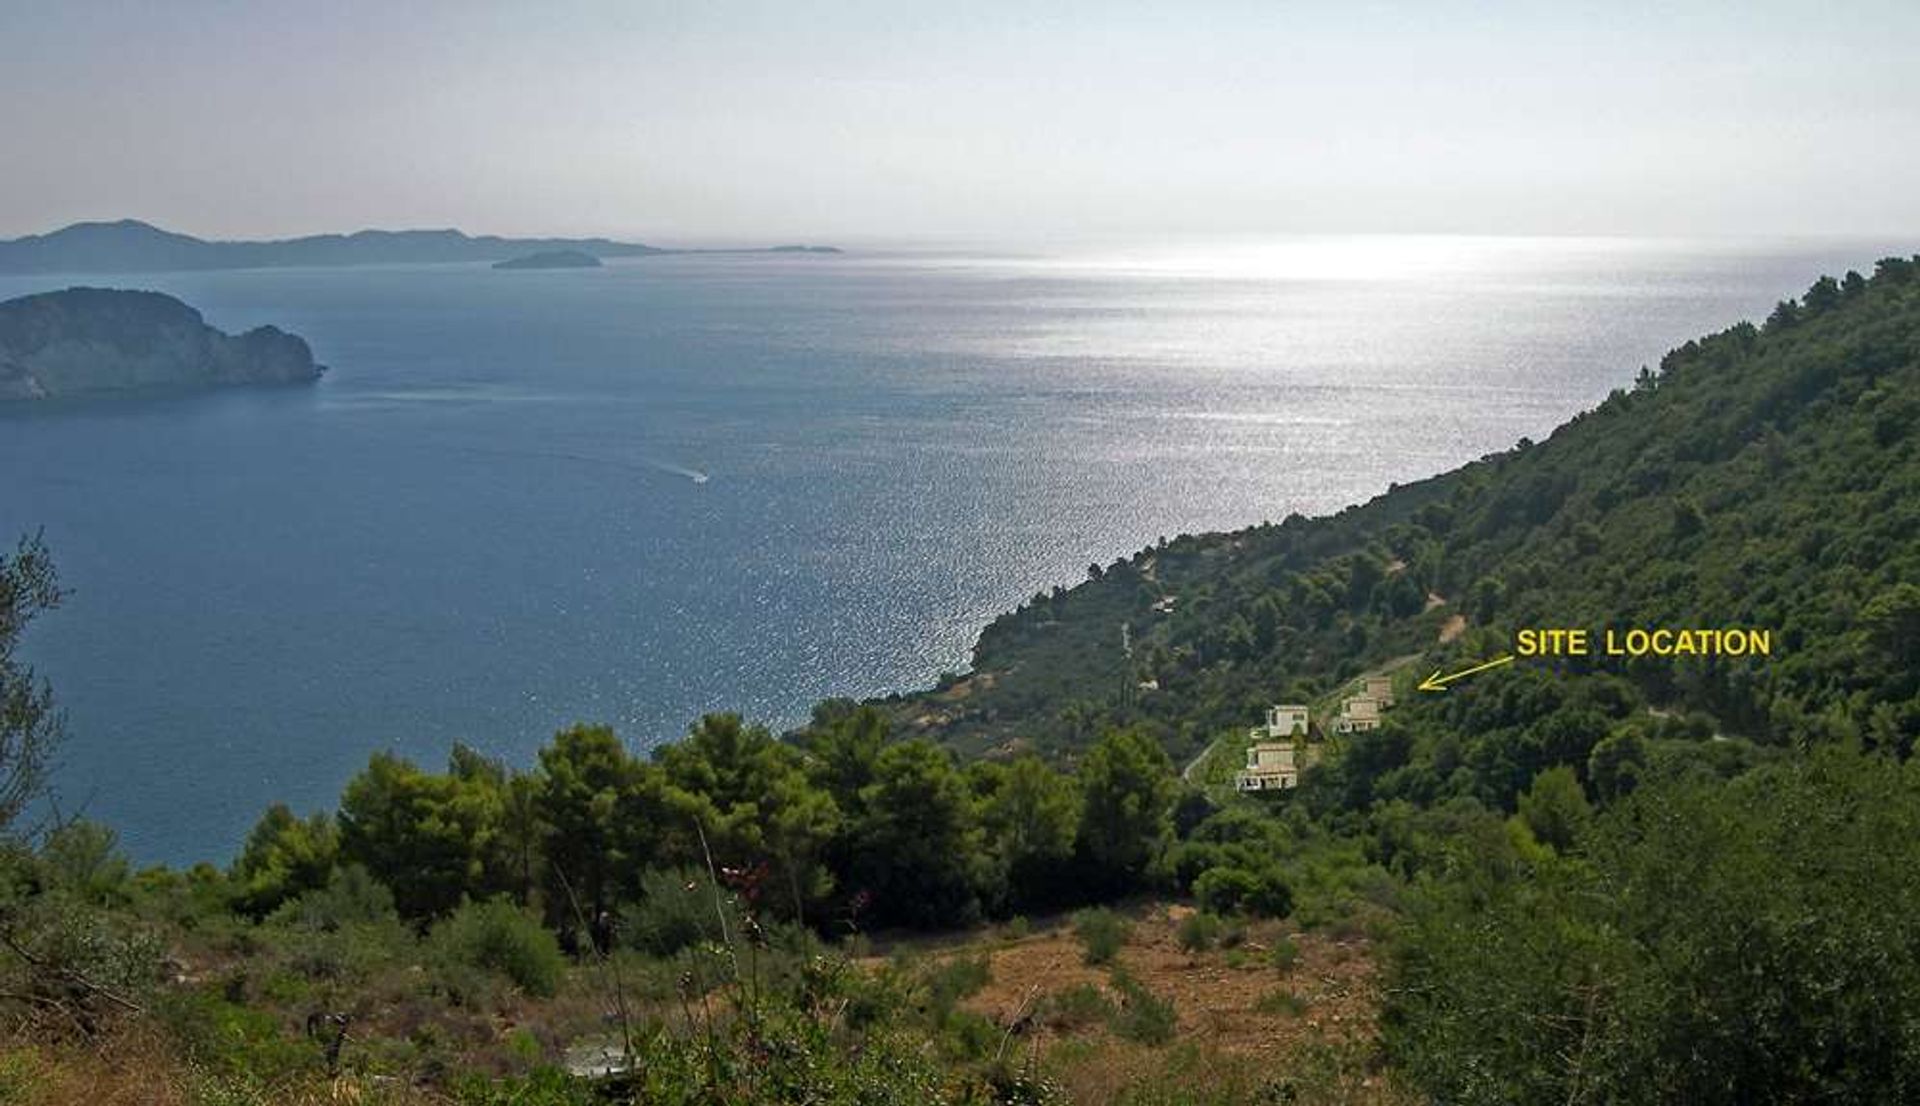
1765,476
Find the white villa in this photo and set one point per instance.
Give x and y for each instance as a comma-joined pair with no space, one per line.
1283,721
1270,767
1359,714
1279,750
1284,747
1360,711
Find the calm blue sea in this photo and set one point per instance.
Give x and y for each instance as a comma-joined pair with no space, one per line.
683,484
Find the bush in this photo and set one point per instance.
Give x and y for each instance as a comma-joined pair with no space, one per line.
351,897
1284,954
225,1040
354,954
69,940
1198,931
1748,941
872,999
970,1036
1280,1001
955,979
1143,1017
1233,933
1101,934
540,1087
83,859
1238,890
1078,1006
675,911
498,937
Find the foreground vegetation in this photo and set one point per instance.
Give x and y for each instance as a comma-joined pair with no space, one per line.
1670,880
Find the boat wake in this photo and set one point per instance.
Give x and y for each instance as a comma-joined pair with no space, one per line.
644,464
694,475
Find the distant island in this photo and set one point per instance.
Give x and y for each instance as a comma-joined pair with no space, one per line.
551,259
92,341
131,246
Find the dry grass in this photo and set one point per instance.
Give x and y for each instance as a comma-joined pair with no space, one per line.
1246,1031
1216,1001
129,1068
135,1068
1193,1075
1234,1041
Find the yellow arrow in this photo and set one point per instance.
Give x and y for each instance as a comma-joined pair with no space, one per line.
1437,682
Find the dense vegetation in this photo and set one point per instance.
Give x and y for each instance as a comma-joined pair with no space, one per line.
1673,878
839,827
1697,942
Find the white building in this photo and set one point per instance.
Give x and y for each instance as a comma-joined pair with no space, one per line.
1358,714
1270,767
1285,720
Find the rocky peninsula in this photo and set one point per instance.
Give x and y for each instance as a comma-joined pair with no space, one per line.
94,341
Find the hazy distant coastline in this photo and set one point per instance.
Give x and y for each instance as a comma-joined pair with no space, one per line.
131,246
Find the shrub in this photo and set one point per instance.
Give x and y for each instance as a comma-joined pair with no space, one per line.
1284,954
230,1042
1101,934
872,999
353,954
67,940
1078,1006
498,937
1280,1001
955,979
1198,931
1238,890
540,1087
1743,941
351,897
84,860
675,911
1233,933
1142,1017
969,1035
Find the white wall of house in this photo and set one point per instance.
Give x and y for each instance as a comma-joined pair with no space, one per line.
1286,719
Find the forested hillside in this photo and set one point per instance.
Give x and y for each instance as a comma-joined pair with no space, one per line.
1764,476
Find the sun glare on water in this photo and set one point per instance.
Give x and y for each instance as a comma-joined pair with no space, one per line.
1312,258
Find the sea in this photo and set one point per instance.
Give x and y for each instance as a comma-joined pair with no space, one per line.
705,482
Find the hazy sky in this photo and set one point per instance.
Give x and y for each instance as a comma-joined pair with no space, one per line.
714,121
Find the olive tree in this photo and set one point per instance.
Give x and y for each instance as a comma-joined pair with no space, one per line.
30,724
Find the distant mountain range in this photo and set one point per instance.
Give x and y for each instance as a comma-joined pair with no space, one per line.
131,246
